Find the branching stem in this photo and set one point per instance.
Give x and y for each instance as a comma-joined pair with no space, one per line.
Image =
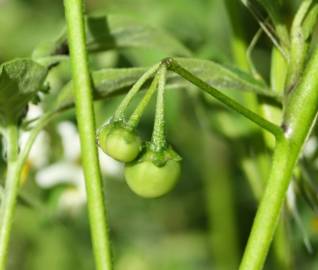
260,121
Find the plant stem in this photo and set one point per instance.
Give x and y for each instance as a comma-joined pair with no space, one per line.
136,115
272,128
8,202
158,136
86,124
269,210
299,117
119,113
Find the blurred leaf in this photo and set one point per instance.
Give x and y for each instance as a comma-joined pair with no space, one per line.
224,77
308,25
114,32
111,82
307,188
20,80
107,83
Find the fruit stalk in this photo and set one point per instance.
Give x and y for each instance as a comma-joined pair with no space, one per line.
158,135
119,114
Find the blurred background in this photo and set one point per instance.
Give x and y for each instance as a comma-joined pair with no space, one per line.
204,222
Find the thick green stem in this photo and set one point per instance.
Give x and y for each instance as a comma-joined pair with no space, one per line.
299,116
269,210
86,124
251,166
9,199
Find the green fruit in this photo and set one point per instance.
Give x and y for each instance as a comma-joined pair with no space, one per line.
102,135
120,143
154,174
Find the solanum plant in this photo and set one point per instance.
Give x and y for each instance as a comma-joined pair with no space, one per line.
285,110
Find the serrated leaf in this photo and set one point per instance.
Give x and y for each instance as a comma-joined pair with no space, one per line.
20,80
114,32
110,82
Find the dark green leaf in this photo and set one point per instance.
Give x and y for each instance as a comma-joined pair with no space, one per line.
110,82
20,80
223,77
107,83
114,32
123,32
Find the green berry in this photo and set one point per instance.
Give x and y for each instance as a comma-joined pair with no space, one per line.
154,174
120,143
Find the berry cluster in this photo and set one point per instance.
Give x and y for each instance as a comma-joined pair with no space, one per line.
152,168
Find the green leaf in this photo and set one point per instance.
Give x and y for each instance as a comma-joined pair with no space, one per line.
223,77
108,32
106,82
112,82
20,80
114,32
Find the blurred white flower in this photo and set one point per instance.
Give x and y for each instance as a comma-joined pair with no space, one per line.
62,172
39,154
109,166
70,140
34,111
67,170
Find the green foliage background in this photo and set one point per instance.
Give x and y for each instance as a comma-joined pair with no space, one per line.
204,222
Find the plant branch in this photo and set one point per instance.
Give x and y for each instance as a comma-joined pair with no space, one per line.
299,117
9,198
119,113
272,128
158,135
86,123
136,115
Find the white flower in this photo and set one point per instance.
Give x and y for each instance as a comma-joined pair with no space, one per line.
39,154
109,166
70,140
67,170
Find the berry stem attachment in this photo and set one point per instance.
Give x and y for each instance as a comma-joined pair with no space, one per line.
119,113
158,136
136,115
